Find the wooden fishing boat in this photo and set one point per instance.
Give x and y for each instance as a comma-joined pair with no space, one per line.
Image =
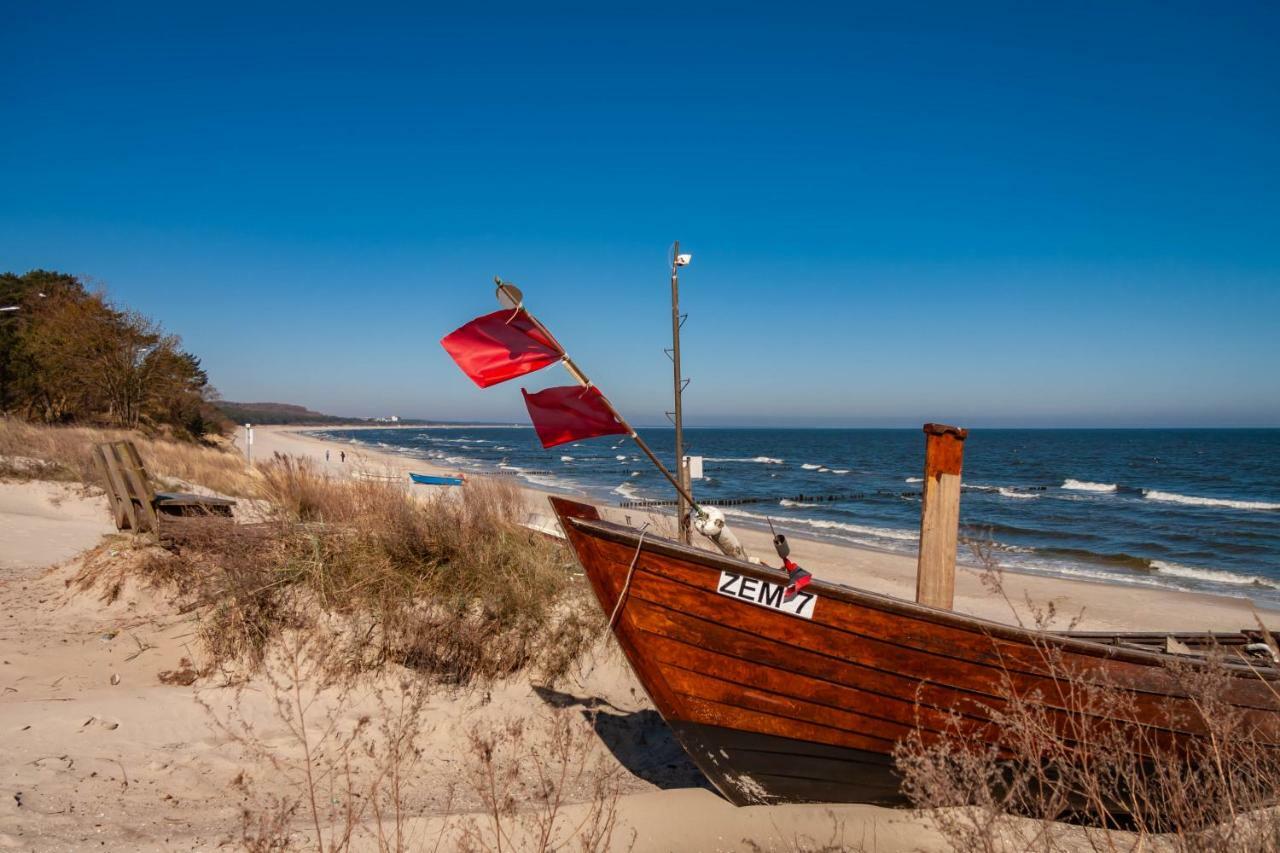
434,480
804,701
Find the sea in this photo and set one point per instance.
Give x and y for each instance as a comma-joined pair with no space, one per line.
1192,509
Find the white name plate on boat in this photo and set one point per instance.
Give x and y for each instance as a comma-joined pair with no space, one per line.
765,594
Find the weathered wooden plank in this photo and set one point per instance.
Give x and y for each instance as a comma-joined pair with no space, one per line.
187,499
121,487
136,478
940,515
114,499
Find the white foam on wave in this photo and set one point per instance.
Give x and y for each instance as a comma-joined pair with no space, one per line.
1086,486
915,480
808,467
1014,493
621,458
1214,575
625,490
1190,500
566,458
539,480
635,473
762,460
823,524
839,470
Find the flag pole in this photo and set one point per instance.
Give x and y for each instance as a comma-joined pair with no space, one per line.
569,365
577,374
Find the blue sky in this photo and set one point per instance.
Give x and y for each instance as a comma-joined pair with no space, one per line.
988,214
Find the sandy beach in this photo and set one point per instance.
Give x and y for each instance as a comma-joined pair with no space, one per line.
108,740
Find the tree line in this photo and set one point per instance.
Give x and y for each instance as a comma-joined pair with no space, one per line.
68,355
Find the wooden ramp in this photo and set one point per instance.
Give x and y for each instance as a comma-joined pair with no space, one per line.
135,505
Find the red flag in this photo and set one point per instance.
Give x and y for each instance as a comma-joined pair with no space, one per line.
570,413
498,347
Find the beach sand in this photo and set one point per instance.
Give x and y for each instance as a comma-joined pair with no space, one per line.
98,751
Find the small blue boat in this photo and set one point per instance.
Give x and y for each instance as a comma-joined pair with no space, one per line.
432,480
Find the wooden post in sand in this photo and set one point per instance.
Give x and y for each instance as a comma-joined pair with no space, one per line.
940,515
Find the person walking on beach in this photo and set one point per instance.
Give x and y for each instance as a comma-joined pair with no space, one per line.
326,454
343,454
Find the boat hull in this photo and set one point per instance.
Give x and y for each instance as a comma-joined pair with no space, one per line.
805,702
433,480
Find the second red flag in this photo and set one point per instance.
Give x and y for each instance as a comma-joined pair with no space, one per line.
570,413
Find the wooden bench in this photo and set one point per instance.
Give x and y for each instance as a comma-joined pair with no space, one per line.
135,505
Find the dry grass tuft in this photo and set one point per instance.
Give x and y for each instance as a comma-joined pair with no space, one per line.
453,586
1085,778
28,451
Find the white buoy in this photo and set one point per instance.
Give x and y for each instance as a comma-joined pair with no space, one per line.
711,525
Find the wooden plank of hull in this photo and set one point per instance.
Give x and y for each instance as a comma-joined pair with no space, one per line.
973,682
858,676
750,768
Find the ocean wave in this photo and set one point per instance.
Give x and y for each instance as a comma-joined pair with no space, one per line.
626,491
1015,493
566,458
1214,575
809,467
762,460
540,480
1190,500
839,470
621,458
823,524
1086,486
914,480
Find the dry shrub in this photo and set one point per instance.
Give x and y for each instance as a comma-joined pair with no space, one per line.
1096,782
345,769
541,785
65,453
348,767
1083,778
452,586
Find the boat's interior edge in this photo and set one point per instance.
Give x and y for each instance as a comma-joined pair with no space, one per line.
1143,647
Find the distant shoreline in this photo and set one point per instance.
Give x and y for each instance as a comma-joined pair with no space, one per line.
397,426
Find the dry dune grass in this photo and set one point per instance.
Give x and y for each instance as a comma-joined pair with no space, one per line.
452,586
63,453
1086,779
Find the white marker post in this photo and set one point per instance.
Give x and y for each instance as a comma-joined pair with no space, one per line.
248,443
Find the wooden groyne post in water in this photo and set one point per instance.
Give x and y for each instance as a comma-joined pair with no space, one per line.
940,515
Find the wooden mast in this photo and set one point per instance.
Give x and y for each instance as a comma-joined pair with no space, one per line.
677,418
